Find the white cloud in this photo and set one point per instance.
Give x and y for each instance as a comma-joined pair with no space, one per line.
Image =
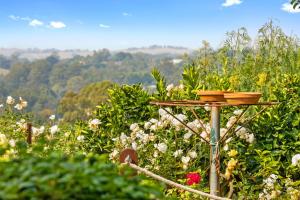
57,24
125,14
17,18
36,22
104,26
13,17
228,3
289,8
25,18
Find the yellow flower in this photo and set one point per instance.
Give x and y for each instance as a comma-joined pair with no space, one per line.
227,174
232,164
232,153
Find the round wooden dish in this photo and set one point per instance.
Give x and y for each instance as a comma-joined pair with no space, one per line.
212,95
242,97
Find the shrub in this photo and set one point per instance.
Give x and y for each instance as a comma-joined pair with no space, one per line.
77,177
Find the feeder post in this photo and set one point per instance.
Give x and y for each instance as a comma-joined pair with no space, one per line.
214,151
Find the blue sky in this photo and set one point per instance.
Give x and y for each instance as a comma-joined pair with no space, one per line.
119,24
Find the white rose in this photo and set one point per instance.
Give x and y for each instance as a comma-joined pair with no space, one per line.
134,146
80,138
93,124
177,153
187,135
18,106
185,159
170,87
52,117
162,147
10,100
54,129
134,127
295,159
192,154
238,112
12,143
147,125
251,138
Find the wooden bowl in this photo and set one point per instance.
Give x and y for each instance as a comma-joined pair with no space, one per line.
212,95
242,97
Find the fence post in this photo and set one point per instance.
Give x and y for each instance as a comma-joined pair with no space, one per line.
29,133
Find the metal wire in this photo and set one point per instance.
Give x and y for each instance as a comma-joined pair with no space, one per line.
172,183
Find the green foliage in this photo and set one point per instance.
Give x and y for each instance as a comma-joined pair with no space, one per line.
272,67
46,81
77,177
127,104
78,106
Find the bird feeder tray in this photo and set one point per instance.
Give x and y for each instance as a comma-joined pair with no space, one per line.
242,97
212,95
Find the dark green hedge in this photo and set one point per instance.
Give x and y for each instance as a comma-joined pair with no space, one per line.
78,177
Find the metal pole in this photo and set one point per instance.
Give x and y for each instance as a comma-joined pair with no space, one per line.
214,151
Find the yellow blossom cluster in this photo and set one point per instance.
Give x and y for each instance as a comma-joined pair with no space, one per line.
230,167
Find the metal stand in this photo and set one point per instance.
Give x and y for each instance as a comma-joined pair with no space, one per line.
214,151
215,139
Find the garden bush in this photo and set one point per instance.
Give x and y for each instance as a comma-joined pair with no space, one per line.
78,177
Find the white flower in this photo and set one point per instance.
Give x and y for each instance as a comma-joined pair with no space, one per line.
153,127
134,127
80,138
185,159
241,132
231,121
170,87
178,125
177,153
237,112
41,129
162,147
181,86
12,143
192,154
3,140
134,146
147,125
207,107
296,159
23,102
204,135
10,100
52,117
1,105
187,135
228,140
162,112
93,124
226,147
251,138
67,134
113,154
37,131
18,106
54,129
273,176
223,131
123,138
155,154
153,121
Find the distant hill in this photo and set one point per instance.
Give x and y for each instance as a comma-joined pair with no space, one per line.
158,49
34,54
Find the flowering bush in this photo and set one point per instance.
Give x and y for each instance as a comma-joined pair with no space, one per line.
248,154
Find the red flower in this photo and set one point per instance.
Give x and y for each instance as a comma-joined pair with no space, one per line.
193,178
